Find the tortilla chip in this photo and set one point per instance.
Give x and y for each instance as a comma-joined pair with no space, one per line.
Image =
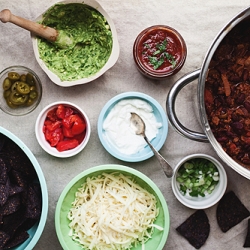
4,237
247,239
230,211
18,238
34,202
29,223
12,205
18,160
12,222
20,195
195,229
3,172
15,189
4,192
18,178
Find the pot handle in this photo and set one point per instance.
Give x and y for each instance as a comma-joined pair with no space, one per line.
170,107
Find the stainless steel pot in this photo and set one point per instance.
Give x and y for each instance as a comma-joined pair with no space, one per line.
201,74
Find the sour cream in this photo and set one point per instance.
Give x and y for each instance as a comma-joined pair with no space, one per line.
118,130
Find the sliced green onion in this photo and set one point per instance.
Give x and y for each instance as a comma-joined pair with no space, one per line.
197,177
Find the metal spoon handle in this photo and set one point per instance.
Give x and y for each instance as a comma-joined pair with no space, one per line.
164,164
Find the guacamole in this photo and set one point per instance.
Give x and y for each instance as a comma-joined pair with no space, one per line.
93,37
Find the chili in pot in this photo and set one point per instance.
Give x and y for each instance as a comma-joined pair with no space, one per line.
227,94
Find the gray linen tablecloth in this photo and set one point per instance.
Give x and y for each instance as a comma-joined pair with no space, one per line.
198,22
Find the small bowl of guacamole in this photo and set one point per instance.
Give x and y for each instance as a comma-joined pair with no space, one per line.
95,47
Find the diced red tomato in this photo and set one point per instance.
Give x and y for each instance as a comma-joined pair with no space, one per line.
75,123
67,122
64,128
78,128
60,112
67,132
80,137
66,145
52,125
53,137
68,111
78,125
52,115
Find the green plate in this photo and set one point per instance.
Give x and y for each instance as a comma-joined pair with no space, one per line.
158,239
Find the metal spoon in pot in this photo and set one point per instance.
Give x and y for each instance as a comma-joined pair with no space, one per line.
59,38
139,126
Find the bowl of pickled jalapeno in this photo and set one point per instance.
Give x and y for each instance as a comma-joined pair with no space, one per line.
199,181
21,90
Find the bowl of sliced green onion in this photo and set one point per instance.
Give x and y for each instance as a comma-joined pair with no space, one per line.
199,181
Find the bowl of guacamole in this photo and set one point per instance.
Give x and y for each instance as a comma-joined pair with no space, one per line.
94,48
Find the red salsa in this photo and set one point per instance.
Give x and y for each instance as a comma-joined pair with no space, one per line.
160,50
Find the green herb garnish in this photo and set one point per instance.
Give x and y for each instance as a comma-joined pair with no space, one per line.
160,55
197,177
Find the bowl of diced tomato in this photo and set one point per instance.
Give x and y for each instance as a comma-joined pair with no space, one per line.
62,129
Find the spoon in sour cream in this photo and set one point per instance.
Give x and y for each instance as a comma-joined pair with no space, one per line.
59,38
139,127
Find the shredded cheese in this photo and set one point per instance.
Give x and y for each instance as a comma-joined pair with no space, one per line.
111,211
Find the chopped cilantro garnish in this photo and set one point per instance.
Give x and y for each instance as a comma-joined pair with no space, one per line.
160,55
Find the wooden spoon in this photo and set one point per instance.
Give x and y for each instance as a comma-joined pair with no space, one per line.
57,37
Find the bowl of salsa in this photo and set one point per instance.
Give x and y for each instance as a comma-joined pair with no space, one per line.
159,51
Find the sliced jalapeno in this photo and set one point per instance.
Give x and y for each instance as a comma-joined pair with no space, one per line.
10,104
33,94
23,88
29,102
30,79
7,83
6,93
19,89
14,76
23,78
14,86
18,99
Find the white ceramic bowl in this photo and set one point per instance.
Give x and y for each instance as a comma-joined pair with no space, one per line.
66,198
35,232
208,200
146,152
41,138
110,63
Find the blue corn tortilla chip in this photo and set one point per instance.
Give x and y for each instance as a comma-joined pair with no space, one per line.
230,211
12,222
18,160
195,229
4,192
3,172
18,178
20,195
4,237
33,202
247,239
11,206
15,189
18,238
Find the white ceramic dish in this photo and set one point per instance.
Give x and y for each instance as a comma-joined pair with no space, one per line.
110,63
208,200
157,142
41,138
36,231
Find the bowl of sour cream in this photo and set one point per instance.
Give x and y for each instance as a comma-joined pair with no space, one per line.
118,136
